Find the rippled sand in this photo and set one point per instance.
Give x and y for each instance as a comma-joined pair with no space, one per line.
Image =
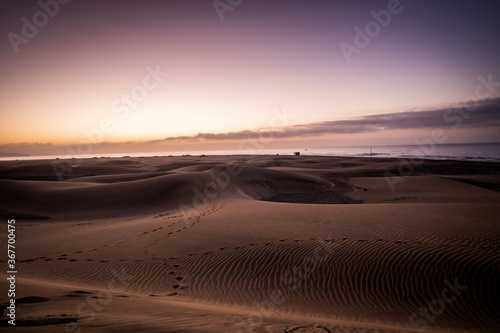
262,244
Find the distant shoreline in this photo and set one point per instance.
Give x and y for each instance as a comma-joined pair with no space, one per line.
482,152
13,155
62,160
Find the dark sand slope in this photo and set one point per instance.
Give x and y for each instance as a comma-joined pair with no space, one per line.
117,236
104,197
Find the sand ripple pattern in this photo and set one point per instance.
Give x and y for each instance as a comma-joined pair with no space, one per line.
339,277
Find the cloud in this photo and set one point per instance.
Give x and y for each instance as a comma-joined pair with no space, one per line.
486,114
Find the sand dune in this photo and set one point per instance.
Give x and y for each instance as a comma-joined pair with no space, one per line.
122,194
286,244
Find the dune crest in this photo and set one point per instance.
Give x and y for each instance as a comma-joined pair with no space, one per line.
285,244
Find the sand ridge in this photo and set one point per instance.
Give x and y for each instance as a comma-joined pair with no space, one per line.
364,259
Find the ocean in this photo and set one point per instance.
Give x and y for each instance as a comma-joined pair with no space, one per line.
489,152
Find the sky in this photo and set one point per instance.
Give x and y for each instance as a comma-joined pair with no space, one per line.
186,74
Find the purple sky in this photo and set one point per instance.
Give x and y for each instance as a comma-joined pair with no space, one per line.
85,75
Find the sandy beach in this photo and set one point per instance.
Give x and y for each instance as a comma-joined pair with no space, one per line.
253,244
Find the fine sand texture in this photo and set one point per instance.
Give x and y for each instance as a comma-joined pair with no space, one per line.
252,244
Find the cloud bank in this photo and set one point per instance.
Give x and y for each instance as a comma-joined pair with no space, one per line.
478,114
484,113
